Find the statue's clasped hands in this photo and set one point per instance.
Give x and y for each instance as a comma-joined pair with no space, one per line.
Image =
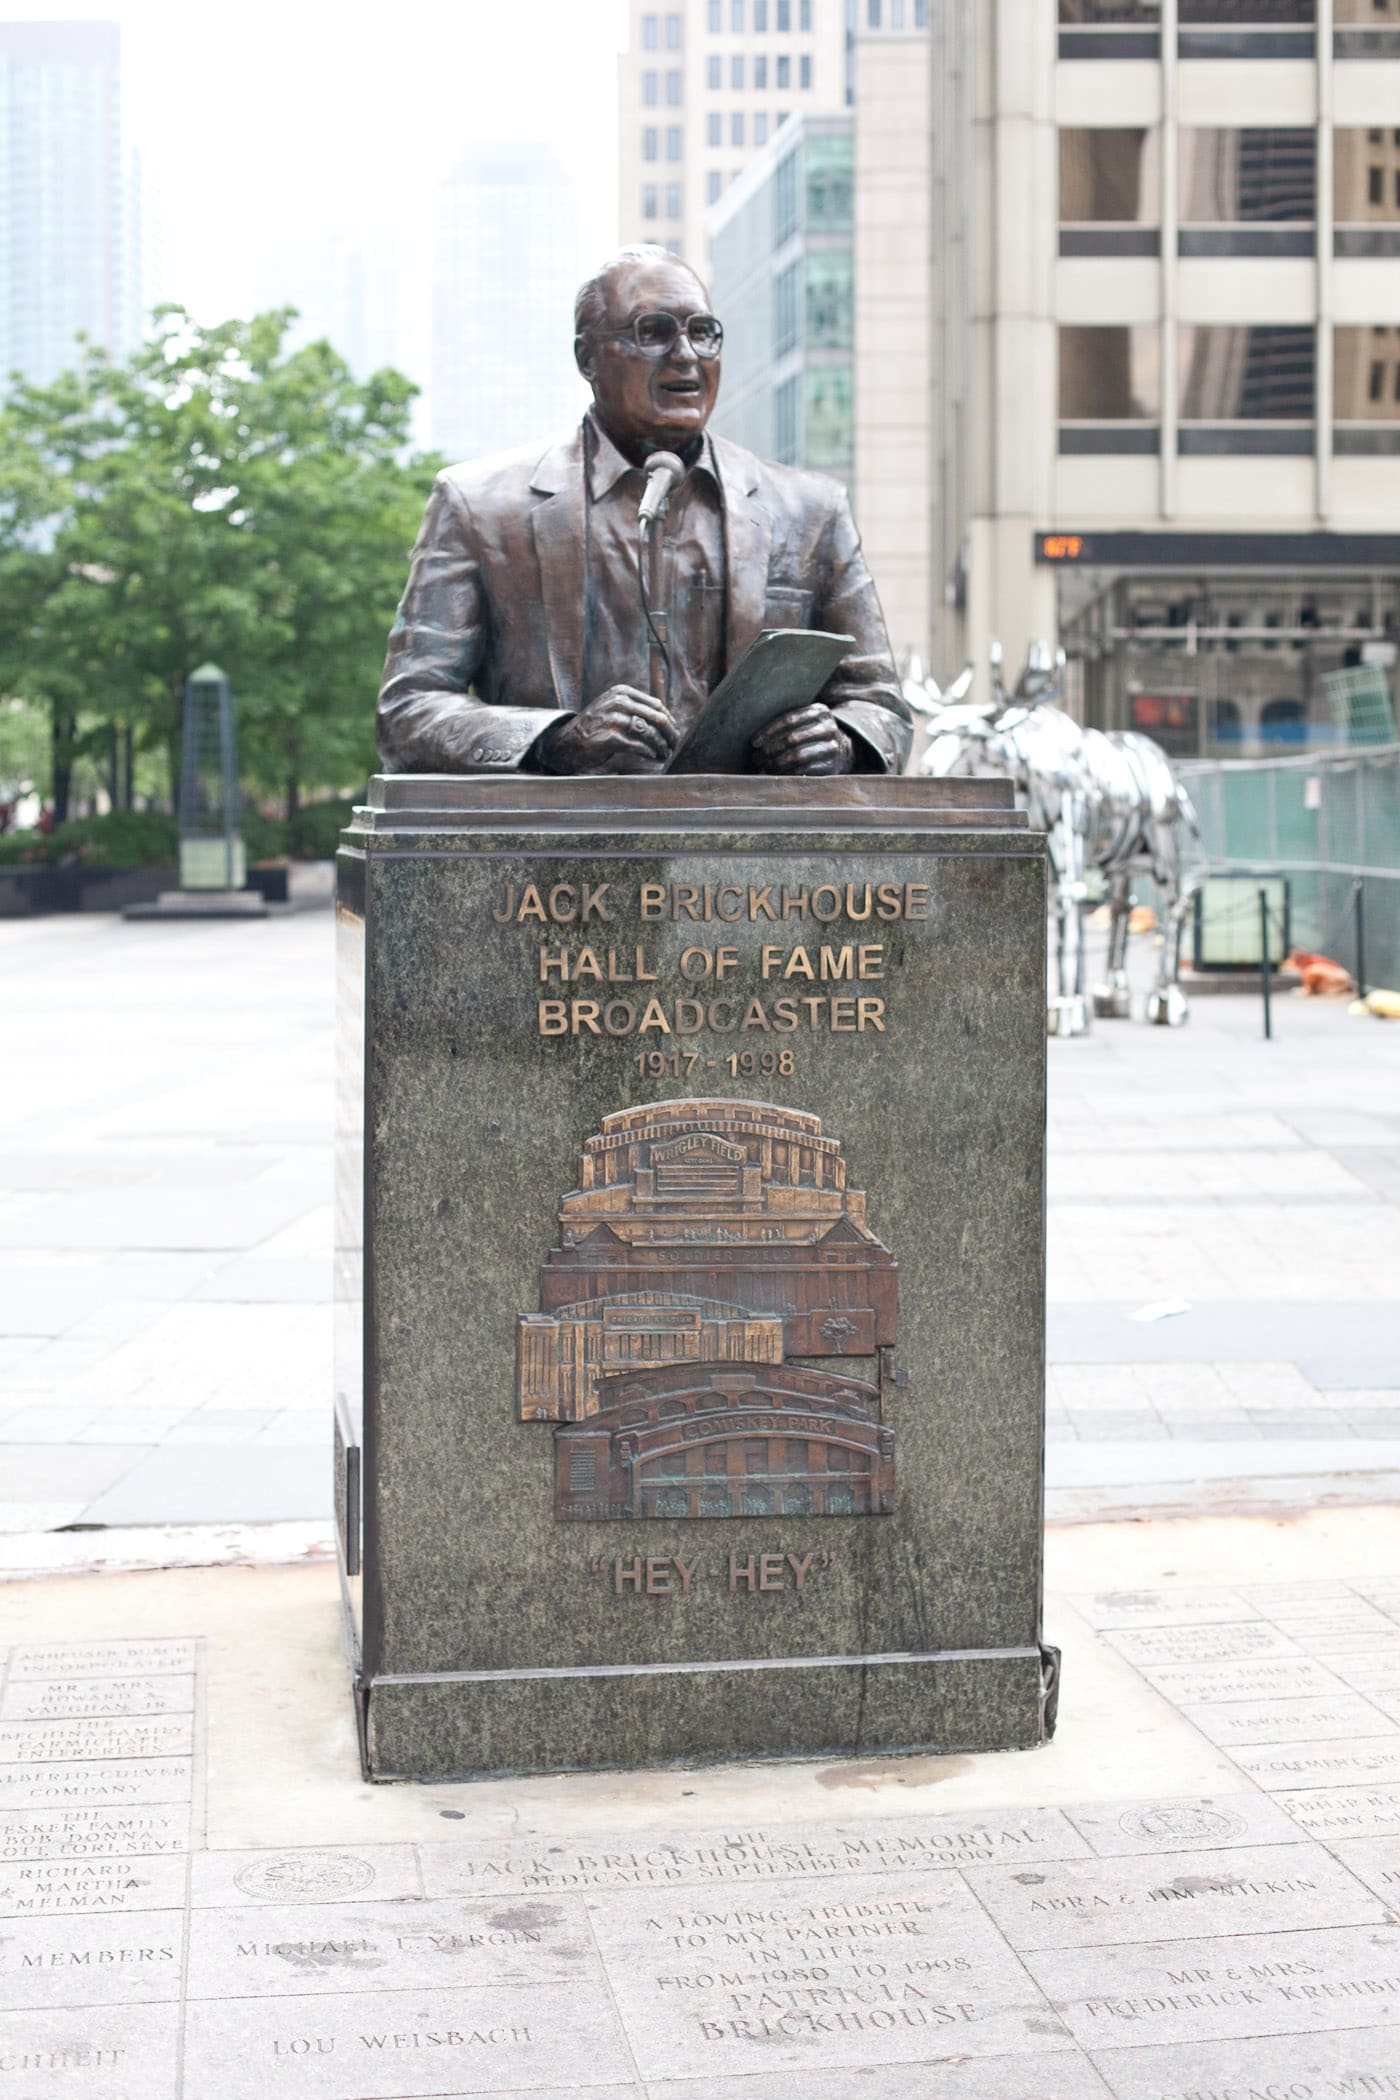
627,731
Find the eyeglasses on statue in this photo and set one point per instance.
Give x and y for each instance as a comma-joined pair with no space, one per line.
656,334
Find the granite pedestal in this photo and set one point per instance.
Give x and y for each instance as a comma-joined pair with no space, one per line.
691,1270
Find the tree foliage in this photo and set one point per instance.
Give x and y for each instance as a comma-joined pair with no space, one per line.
210,496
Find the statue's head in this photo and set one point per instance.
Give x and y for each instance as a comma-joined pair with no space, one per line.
649,347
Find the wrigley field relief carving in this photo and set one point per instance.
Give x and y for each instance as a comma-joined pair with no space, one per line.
710,1264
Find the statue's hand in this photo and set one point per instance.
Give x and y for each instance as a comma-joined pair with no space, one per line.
622,731
804,740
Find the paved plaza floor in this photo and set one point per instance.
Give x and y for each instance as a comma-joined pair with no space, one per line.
165,1222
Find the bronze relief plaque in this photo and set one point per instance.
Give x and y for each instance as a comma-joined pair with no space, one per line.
710,1264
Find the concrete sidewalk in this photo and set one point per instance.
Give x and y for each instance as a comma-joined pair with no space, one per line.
165,1232
1191,1892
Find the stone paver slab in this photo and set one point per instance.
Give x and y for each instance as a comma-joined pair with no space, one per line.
69,1659
294,1949
800,1852
127,1782
404,2045
37,1888
1225,1989
1193,1824
368,1873
1315,2067
76,1698
1364,1761
1253,1721
92,1833
80,1961
883,1969
1176,1896
59,1741
122,2052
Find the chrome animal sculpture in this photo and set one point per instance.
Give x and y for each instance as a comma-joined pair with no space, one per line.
1106,801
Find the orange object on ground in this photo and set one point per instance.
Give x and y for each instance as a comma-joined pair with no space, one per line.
1322,978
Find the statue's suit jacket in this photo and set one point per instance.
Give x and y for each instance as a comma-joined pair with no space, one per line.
487,649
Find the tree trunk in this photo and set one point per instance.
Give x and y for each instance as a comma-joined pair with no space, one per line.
63,732
129,786
293,800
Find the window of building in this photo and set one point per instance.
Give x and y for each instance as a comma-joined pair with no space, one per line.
714,129
1366,389
873,12
829,439
760,128
785,310
785,200
804,17
650,141
714,74
1246,177
736,72
756,1455
736,127
785,435
1243,14
784,72
1110,375
651,88
921,14
673,142
896,14
673,32
760,17
780,119
1366,190
830,299
1229,375
673,90
736,16
784,17
715,17
830,182
1110,177
804,71
650,32
1109,14
760,74
714,186
649,201
673,200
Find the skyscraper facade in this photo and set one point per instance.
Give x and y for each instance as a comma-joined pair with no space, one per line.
703,86
70,260
505,273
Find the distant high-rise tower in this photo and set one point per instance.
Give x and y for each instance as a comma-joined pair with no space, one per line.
703,86
69,242
504,277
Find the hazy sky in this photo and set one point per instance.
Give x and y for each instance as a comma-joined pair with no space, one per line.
269,123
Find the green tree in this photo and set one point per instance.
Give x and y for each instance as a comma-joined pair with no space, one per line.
212,495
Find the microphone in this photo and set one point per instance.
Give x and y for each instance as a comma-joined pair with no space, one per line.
663,470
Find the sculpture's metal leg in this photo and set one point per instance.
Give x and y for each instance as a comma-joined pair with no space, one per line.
1111,1000
1068,1012
1167,1004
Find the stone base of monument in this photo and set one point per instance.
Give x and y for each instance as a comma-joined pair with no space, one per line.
690,1275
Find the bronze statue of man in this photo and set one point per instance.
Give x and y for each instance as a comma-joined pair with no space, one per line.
521,642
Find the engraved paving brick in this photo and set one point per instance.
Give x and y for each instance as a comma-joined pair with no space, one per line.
1149,1645
1365,1760
399,2045
56,1887
366,1874
1113,1610
1225,1989
91,1960
104,1659
126,1782
91,1833
1199,1823
1376,1862
55,1742
122,2052
69,1698
883,1969
1344,1812
1254,1721
296,1949
1312,2067
1178,1896
1279,1677
813,1849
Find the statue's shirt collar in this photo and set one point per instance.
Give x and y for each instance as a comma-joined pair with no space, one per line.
607,466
